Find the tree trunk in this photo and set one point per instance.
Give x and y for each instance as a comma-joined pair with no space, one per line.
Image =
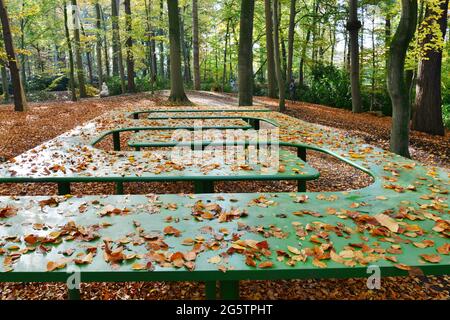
224,75
79,61
99,44
88,57
117,47
428,105
20,102
245,58
161,43
271,77
301,71
184,50
196,44
177,93
71,63
105,47
129,45
397,88
22,47
353,26
5,84
152,46
291,35
276,46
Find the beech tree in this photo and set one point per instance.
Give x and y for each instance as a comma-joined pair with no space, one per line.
428,104
177,93
195,44
397,87
276,47
70,53
20,102
245,57
129,45
271,76
353,27
78,58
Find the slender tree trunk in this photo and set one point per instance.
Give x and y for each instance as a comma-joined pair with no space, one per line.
115,40
276,45
372,95
71,63
271,76
353,26
22,47
301,72
428,105
224,75
177,93
195,40
105,47
129,45
99,44
5,83
88,57
117,47
184,51
152,46
161,43
20,102
291,35
79,60
245,58
398,90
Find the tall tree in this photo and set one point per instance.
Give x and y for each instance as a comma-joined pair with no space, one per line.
20,102
245,58
5,83
397,87
117,47
79,60
276,47
177,93
129,45
99,43
292,14
271,76
195,44
71,62
353,25
428,105
161,43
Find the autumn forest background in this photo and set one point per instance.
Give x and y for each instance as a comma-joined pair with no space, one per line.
67,49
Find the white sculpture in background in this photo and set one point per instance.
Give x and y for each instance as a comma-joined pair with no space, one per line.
105,90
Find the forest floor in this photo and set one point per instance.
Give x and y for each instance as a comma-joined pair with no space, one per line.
20,132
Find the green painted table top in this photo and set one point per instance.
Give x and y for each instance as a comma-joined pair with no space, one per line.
183,137
404,213
220,237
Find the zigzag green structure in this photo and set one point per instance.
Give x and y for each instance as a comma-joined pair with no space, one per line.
399,224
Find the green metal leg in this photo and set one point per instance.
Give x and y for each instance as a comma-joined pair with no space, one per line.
74,294
210,290
119,187
301,186
138,149
301,153
116,140
203,186
229,290
63,188
257,124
